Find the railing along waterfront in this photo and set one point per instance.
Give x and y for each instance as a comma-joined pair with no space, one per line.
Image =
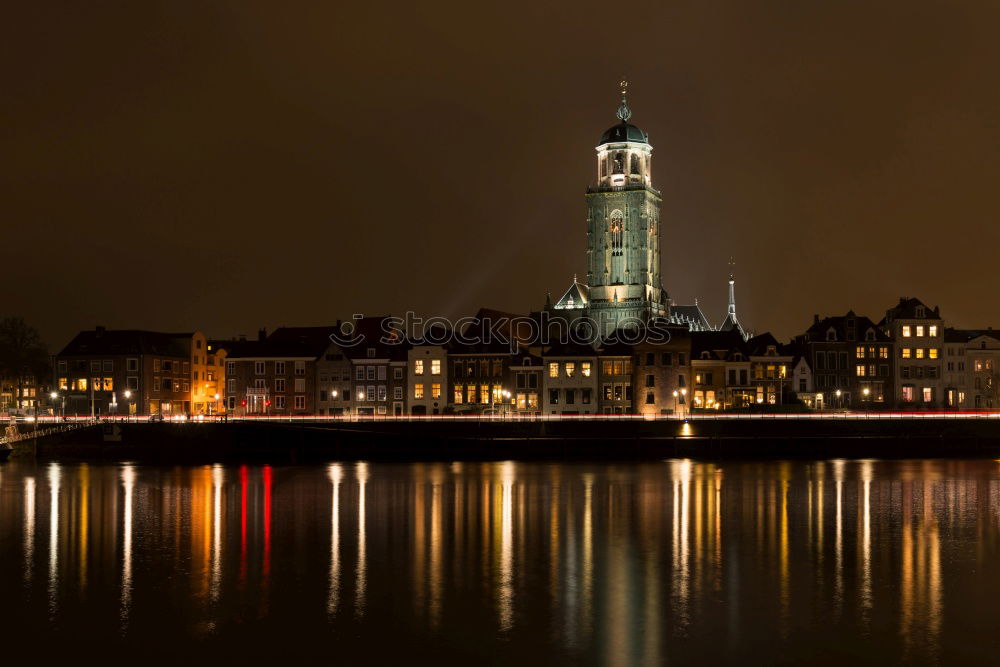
68,422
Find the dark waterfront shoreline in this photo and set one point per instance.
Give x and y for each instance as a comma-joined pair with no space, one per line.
629,440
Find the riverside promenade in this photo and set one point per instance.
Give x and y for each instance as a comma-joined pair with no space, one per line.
492,437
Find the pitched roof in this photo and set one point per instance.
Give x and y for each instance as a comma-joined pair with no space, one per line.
906,309
577,296
691,317
723,345
127,341
843,326
966,335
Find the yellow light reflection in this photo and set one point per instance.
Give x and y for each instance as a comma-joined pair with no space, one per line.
361,572
336,474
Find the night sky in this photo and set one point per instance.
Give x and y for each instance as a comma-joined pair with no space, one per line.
231,165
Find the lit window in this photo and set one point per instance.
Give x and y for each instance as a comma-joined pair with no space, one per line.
418,391
471,394
861,370
570,369
553,370
906,331
435,367
920,353
928,394
906,353
861,351
585,368
908,394
932,330
883,352
435,391
932,353
418,367
484,393
62,384
920,330
458,394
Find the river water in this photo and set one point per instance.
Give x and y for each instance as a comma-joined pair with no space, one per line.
683,562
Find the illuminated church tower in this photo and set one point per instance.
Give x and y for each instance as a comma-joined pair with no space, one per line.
623,228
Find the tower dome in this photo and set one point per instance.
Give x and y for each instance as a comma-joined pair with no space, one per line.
624,131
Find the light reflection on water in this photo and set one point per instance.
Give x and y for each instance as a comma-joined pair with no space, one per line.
605,564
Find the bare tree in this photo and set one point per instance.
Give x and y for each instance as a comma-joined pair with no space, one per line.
23,357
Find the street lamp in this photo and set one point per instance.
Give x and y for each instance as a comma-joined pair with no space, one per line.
506,395
684,393
840,403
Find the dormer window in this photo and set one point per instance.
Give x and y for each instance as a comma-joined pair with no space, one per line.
870,334
738,357
920,311
831,335
705,355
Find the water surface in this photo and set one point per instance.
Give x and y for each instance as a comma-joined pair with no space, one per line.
674,562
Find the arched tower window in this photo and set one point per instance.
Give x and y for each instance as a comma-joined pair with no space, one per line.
635,164
619,163
617,234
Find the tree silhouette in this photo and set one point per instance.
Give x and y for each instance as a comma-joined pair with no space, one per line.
23,357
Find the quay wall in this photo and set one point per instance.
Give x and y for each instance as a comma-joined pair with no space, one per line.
283,442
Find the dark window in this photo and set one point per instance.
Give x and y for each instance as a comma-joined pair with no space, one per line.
820,361
650,381
533,381
666,358
585,398
570,396
743,376
649,359
680,380
322,395
554,396
732,376
520,381
650,398
680,358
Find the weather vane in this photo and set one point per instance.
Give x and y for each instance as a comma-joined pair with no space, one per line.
624,113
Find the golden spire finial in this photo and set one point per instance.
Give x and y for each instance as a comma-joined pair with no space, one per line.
624,84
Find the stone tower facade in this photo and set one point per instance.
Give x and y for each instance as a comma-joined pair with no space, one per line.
623,229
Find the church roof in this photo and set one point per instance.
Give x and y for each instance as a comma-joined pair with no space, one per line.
577,296
731,324
691,317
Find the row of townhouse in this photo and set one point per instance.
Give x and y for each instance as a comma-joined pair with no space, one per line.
132,372
908,360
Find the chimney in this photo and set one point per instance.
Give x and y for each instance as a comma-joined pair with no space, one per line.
262,334
816,318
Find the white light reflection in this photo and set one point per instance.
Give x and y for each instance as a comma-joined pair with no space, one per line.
838,476
29,528
336,474
361,574
505,597
218,476
128,481
867,474
55,476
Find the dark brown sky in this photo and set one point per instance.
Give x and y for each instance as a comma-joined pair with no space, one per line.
229,165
